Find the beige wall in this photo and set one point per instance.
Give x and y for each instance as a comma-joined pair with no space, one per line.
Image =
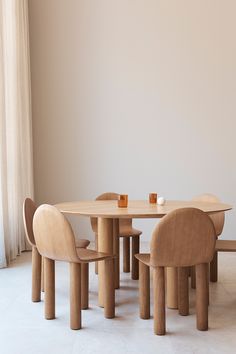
134,96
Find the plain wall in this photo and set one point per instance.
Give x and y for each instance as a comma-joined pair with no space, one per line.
134,96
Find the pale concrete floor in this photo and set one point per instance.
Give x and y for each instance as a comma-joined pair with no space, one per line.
23,330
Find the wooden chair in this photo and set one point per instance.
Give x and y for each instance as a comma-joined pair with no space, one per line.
183,238
218,220
29,209
126,231
55,241
226,246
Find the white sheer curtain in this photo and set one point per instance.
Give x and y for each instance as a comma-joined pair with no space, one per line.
16,176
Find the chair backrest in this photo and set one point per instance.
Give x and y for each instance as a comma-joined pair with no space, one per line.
217,218
29,209
124,223
184,237
53,234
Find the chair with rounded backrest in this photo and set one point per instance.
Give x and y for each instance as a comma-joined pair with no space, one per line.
55,241
218,220
183,238
126,231
29,209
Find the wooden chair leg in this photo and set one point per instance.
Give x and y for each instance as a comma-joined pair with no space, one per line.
84,286
208,283
189,271
183,294
49,269
159,300
42,275
109,293
193,277
135,250
214,268
202,297
116,252
144,291
172,287
75,295
126,254
36,275
96,249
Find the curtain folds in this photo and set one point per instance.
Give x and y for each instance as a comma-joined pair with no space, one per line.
16,171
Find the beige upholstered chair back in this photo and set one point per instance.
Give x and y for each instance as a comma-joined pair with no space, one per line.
184,237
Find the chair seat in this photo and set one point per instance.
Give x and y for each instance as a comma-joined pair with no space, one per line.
82,243
129,232
144,258
226,245
87,255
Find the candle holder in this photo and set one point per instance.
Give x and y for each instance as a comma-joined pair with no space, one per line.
123,201
152,198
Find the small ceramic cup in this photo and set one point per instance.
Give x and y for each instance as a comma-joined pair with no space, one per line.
161,201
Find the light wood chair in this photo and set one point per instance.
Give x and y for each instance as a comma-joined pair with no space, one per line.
226,245
55,241
29,209
127,232
183,238
218,220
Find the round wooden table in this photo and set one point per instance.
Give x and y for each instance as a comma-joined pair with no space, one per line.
108,215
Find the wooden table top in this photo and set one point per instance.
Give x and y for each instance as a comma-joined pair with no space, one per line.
136,208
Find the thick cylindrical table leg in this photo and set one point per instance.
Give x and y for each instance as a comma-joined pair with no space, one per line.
49,270
42,275
126,254
36,275
159,301
109,291
214,268
193,277
172,287
144,291
116,252
208,283
183,293
135,250
96,248
105,244
202,297
75,295
84,285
